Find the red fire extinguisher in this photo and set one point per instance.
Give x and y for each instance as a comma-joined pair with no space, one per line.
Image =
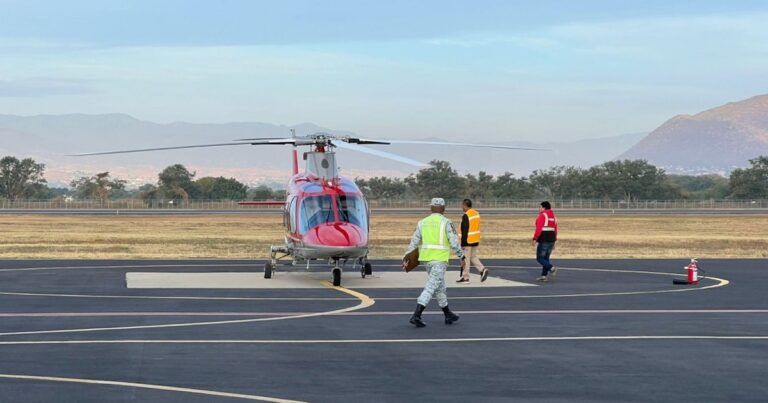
692,271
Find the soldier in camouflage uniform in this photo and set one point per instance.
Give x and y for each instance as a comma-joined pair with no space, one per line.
435,236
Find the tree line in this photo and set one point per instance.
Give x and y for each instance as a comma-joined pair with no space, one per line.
628,180
24,179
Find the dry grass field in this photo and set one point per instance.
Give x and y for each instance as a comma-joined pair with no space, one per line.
248,237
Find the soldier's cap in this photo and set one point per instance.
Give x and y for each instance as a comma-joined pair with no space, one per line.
437,202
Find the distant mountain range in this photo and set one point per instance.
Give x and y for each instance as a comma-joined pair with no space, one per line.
48,137
716,140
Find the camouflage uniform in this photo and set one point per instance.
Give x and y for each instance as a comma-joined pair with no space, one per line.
436,269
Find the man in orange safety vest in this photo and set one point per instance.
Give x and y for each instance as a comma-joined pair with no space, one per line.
470,241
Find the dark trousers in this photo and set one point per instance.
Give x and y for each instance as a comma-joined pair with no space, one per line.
543,250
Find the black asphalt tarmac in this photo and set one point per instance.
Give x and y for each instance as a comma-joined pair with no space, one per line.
603,330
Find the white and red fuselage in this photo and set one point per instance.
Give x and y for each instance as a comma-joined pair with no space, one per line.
325,219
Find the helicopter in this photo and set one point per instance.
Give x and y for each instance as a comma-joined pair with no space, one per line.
325,215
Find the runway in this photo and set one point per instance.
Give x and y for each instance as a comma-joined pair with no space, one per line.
216,331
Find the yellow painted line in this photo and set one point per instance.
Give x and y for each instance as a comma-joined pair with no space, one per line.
365,302
147,386
364,299
389,341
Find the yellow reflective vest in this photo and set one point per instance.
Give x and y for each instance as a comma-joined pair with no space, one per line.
434,239
473,235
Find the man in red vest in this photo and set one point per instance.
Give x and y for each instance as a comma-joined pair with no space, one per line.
546,236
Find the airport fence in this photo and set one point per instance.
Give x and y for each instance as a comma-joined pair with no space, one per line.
137,204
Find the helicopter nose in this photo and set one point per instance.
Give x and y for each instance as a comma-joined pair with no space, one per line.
338,234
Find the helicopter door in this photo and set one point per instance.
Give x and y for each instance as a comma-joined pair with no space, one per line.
289,218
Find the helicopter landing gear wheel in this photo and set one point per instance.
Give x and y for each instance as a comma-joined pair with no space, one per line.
336,276
269,267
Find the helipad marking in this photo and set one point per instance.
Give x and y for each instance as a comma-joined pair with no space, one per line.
129,266
393,341
385,313
250,280
33,294
147,386
721,283
365,302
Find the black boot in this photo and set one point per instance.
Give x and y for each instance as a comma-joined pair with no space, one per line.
416,317
450,317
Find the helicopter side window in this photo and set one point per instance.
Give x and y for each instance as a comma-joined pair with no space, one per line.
291,214
316,210
352,210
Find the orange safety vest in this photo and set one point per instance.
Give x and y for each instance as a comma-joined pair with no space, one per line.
473,235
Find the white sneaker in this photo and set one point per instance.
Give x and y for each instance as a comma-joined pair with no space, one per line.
553,271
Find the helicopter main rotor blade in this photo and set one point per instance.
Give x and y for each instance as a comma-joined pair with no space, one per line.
325,136
357,140
297,141
450,143
141,150
380,153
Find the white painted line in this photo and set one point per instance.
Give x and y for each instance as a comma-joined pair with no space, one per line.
365,302
30,294
255,265
390,341
147,386
720,283
386,313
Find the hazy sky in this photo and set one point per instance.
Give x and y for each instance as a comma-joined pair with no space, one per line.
480,70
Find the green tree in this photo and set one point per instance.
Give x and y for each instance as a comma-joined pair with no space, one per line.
630,180
20,178
439,180
752,182
701,187
382,188
99,186
52,193
561,182
480,187
509,187
261,192
176,182
220,188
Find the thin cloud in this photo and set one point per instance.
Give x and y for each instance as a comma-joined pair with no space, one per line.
493,39
41,87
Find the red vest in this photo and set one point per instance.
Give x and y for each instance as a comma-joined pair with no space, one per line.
546,222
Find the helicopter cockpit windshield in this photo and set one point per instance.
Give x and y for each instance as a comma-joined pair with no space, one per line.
316,210
352,210
319,209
